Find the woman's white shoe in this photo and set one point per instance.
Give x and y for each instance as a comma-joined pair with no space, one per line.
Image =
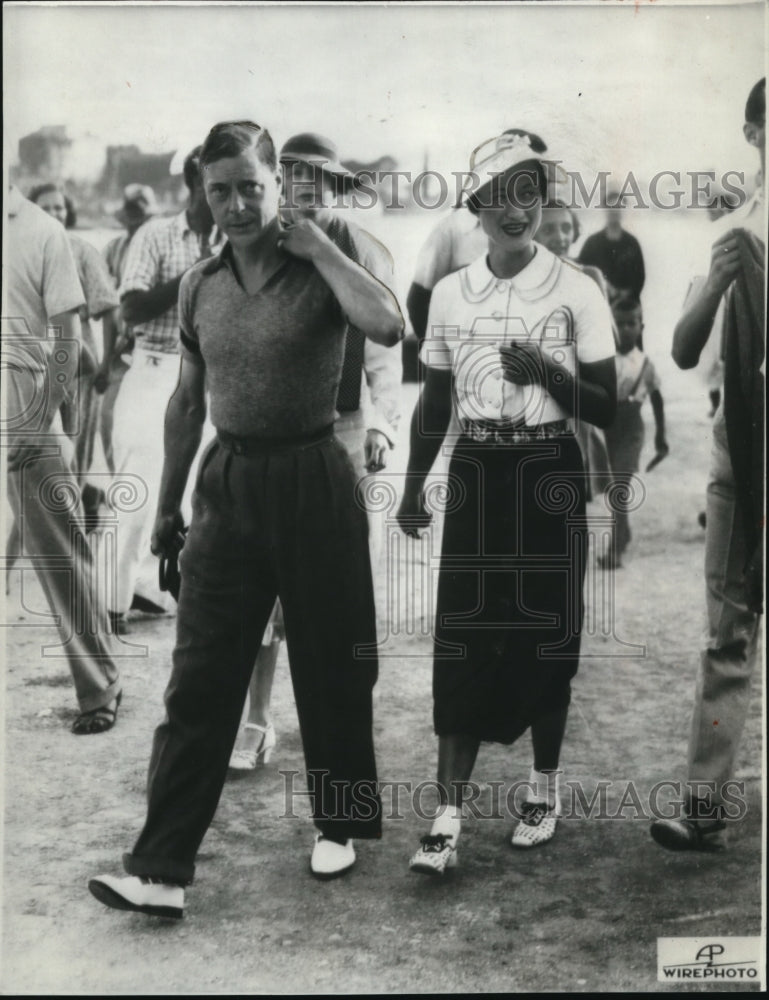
436,853
537,825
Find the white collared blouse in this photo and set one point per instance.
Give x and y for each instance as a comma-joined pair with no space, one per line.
473,313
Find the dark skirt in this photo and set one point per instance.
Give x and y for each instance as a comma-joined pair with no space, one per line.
510,603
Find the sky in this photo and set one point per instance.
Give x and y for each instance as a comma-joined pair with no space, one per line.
637,85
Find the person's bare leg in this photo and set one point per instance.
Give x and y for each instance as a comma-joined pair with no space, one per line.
257,707
546,739
456,760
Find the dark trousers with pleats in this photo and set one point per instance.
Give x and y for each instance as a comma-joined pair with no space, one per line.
269,520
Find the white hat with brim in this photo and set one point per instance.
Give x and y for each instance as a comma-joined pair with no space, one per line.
501,154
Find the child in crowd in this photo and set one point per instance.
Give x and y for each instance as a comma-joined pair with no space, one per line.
636,379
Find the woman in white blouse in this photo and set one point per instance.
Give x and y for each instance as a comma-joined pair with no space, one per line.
518,343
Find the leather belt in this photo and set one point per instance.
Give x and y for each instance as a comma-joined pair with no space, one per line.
498,433
253,445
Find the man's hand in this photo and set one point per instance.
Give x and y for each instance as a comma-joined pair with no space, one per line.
304,239
412,516
523,363
168,534
375,450
724,263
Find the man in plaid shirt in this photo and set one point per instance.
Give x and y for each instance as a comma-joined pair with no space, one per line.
160,253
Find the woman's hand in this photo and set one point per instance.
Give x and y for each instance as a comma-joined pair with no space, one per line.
523,363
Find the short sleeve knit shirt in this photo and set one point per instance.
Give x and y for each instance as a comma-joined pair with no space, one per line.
273,359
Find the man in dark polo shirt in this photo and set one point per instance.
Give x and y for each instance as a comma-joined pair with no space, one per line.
616,253
274,514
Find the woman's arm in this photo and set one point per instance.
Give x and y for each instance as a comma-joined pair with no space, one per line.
418,307
429,424
591,395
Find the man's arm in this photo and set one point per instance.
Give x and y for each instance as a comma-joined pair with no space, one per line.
183,431
658,409
140,307
366,302
23,386
110,333
429,424
693,328
435,261
418,308
69,322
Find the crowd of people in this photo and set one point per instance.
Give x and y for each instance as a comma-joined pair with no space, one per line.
257,333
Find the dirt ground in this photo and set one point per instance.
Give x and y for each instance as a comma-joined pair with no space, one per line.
579,915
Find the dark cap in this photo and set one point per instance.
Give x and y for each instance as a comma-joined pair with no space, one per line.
138,202
318,151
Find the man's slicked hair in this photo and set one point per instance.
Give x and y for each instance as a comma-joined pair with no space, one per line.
229,139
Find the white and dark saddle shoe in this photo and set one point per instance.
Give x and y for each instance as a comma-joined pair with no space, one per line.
436,853
158,899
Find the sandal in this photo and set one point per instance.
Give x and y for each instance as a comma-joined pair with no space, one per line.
100,720
246,760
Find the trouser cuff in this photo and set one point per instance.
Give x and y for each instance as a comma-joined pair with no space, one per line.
167,869
342,830
704,809
100,699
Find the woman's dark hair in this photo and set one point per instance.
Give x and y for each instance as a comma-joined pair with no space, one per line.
755,109
37,192
557,203
537,145
533,168
228,139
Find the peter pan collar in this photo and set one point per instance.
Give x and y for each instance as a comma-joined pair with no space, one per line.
534,282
